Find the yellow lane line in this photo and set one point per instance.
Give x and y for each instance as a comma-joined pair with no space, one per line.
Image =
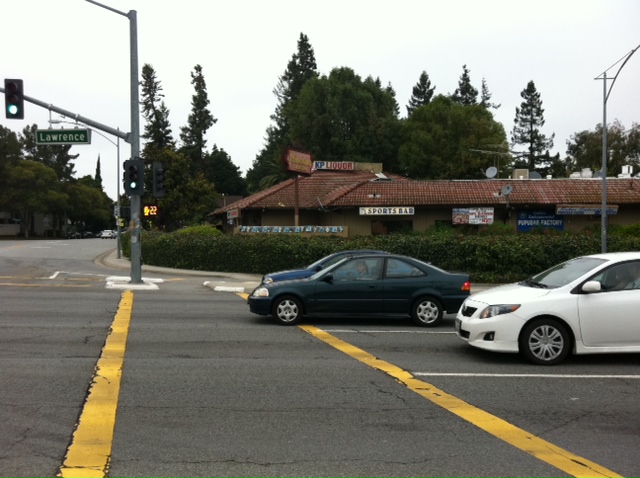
571,464
90,450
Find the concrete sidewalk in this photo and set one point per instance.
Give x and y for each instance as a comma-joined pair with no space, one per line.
222,281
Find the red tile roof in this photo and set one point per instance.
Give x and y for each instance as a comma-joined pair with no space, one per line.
363,188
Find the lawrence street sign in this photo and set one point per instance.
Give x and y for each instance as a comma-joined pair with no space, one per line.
63,136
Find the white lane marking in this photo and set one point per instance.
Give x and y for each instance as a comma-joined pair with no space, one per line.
342,331
222,288
123,283
521,375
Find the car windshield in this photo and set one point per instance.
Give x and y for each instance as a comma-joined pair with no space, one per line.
564,273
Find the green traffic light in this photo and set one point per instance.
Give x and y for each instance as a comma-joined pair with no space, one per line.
12,109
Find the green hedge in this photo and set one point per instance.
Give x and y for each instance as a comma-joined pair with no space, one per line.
492,258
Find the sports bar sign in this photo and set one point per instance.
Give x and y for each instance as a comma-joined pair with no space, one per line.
387,211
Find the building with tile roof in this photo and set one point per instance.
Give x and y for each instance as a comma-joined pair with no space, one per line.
366,201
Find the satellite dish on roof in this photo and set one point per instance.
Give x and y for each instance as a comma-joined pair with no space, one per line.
535,175
506,190
491,172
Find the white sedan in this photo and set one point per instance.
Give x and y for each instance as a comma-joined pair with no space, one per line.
587,305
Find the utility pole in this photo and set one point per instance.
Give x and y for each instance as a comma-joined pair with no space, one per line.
605,97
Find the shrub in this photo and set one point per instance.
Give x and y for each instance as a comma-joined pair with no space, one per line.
493,258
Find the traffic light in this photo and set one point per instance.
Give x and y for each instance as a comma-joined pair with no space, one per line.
13,99
134,177
158,180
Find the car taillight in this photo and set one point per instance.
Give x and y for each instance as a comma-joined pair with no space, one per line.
466,287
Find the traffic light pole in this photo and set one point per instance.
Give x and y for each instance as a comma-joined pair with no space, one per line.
133,138
135,223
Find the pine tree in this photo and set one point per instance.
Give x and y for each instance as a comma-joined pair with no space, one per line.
465,94
198,123
485,97
157,130
422,93
301,68
526,130
98,178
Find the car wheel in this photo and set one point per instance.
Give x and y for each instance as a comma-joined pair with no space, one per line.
287,310
427,312
545,342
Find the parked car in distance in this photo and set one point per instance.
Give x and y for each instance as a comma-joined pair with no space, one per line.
586,305
74,235
107,234
367,285
317,266
87,235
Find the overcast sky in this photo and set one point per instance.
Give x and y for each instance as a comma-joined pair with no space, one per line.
75,55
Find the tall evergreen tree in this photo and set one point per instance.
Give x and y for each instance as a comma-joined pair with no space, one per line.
389,89
526,130
300,69
199,121
98,178
157,130
422,93
485,97
465,94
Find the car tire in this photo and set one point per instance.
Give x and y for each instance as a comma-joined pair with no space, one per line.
427,312
287,310
545,342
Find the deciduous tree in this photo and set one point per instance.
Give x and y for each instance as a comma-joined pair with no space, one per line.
440,138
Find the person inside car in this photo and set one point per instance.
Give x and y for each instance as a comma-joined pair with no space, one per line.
362,270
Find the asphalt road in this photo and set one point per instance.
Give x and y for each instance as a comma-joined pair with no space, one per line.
206,388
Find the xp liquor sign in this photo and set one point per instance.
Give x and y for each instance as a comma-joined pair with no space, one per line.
63,136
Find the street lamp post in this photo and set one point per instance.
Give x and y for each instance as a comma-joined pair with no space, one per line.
117,145
605,96
135,224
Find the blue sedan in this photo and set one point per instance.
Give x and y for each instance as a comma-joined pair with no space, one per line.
366,285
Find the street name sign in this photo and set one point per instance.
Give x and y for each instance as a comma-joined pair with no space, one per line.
63,136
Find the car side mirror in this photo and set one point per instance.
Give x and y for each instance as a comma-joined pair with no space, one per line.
592,286
328,278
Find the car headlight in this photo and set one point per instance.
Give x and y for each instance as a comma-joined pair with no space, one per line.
261,292
499,309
